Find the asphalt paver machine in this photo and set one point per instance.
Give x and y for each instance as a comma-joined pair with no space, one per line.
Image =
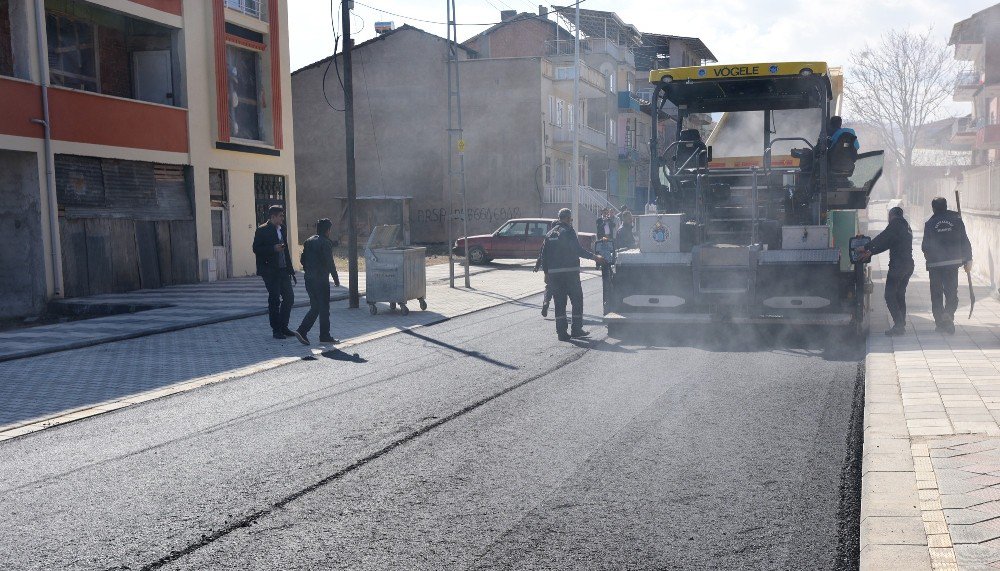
760,231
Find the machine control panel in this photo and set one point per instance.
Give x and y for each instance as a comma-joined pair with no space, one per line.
855,243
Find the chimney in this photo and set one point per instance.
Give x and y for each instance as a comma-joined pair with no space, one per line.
507,15
543,11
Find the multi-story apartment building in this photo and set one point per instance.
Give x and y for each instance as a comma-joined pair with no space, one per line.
141,142
614,118
977,43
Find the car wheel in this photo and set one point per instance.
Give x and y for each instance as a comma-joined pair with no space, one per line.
477,255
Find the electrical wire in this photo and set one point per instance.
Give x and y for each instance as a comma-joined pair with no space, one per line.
555,10
332,60
371,118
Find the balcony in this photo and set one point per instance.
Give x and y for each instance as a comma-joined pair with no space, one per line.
967,84
963,130
592,141
564,49
252,8
592,83
988,137
627,102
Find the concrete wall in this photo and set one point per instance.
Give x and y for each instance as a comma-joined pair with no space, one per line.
22,280
401,102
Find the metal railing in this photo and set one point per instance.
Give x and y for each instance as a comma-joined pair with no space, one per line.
591,46
588,136
968,79
252,8
592,199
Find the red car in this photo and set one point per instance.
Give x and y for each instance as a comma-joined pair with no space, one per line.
517,238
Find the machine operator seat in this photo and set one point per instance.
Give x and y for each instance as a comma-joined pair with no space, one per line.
842,156
691,144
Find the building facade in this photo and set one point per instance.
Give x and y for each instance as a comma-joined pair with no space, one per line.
977,43
141,143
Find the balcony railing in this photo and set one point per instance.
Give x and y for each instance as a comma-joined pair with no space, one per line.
969,79
588,136
966,127
252,8
627,102
591,46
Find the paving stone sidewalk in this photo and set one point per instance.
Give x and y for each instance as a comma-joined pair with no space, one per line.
37,392
931,467
178,307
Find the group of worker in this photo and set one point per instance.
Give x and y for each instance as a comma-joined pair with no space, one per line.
946,248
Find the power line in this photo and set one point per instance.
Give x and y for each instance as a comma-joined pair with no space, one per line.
336,41
554,10
371,118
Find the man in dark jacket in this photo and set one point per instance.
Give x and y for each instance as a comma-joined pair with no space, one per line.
946,247
561,262
274,266
897,238
319,267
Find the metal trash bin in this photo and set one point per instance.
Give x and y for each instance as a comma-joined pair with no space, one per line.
394,274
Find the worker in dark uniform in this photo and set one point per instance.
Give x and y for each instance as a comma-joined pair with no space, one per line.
317,262
561,262
946,247
897,238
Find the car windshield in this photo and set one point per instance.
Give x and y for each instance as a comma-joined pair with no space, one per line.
512,229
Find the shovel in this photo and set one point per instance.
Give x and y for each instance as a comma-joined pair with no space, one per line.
972,294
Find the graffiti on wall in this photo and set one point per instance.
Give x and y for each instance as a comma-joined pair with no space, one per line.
487,215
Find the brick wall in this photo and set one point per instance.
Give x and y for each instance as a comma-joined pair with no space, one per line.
113,55
523,38
6,55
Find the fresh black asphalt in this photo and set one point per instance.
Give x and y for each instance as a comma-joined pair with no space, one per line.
478,443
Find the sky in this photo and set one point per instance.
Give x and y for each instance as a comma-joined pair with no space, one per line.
746,31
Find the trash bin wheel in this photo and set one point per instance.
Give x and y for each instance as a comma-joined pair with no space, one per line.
373,308
403,309
423,304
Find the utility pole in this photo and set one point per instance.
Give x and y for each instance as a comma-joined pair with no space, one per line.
352,186
577,125
456,141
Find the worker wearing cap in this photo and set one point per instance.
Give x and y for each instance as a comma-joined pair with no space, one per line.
561,262
897,239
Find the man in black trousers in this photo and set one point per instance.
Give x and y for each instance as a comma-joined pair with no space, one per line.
946,247
897,238
561,255
318,265
274,266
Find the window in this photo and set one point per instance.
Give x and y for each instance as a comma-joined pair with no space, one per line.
6,45
552,110
560,106
513,229
251,8
572,119
244,93
72,52
538,229
269,190
218,187
548,170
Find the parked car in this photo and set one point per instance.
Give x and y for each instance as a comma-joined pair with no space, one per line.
517,238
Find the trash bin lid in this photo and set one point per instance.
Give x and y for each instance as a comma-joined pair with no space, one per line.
382,236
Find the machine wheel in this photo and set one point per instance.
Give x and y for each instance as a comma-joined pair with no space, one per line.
403,310
423,304
392,306
477,255
373,309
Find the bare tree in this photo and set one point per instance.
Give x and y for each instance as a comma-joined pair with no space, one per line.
898,86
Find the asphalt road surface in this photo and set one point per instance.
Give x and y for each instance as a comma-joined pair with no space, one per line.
479,443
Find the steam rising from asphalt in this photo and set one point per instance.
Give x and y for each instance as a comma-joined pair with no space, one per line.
741,134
